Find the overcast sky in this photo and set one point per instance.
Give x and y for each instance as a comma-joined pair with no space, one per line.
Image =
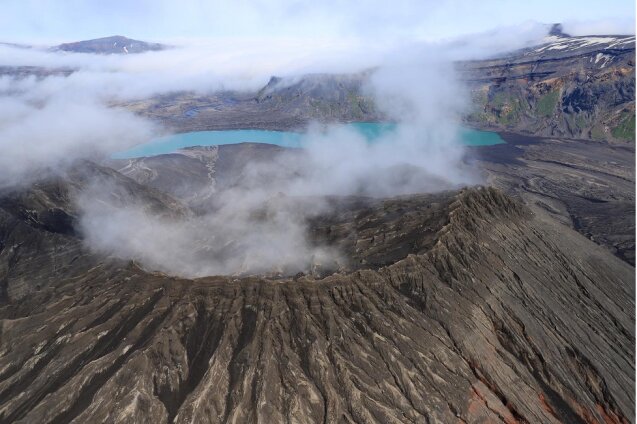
47,21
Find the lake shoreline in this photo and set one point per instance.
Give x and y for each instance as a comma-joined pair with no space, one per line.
371,131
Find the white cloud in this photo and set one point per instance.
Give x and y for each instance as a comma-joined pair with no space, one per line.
51,135
605,26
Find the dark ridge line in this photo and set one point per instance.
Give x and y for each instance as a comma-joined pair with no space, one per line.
509,64
99,379
25,381
199,351
74,367
106,315
235,365
559,406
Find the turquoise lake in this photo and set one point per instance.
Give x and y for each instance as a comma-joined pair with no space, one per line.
370,130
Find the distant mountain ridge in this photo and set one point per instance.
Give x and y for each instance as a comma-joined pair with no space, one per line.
578,87
116,44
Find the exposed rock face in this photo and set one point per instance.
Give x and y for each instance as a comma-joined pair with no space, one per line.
573,87
280,104
110,45
325,97
493,315
576,87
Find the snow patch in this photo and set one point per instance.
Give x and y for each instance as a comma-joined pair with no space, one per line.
589,41
559,47
560,43
604,58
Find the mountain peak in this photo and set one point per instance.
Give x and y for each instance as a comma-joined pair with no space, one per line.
110,45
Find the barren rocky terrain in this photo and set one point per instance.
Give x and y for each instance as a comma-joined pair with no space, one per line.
584,184
509,301
462,306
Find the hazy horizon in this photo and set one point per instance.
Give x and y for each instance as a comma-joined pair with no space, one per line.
51,21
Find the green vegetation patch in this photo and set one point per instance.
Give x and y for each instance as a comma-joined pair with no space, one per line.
597,133
510,112
626,128
499,100
546,104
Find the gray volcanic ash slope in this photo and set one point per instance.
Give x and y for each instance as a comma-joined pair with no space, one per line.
552,175
587,185
492,314
252,283
195,174
40,228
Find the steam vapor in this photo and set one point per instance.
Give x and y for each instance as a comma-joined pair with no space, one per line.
258,225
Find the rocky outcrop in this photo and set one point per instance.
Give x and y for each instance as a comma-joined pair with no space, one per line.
574,87
324,97
571,87
289,103
493,315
